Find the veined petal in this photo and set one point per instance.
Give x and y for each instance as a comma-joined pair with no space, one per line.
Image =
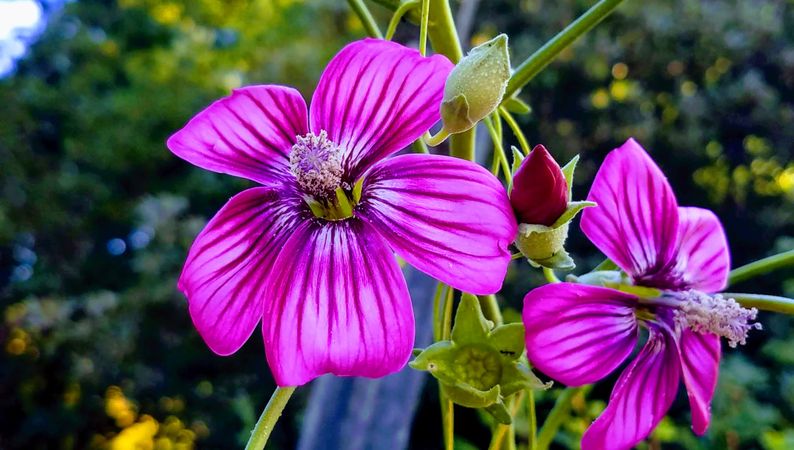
230,261
447,217
337,303
248,134
578,334
700,360
636,221
376,97
702,260
641,396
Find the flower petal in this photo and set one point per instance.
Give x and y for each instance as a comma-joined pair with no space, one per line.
636,221
376,97
248,134
703,260
337,303
447,217
230,261
578,334
700,360
641,396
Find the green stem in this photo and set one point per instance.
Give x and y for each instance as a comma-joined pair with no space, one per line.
499,151
498,436
398,15
419,146
446,318
490,309
267,421
533,421
764,302
546,54
448,420
511,122
423,27
366,18
551,277
560,411
761,267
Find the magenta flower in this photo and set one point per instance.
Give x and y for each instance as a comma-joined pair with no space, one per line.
310,252
540,191
578,333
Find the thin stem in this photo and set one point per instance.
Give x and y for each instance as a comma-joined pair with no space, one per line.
499,151
764,302
498,437
437,311
404,7
490,309
446,321
511,122
419,146
448,420
546,54
423,27
551,277
761,267
366,18
558,414
533,421
437,138
267,421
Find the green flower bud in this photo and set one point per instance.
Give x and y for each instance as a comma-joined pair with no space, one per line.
476,85
481,364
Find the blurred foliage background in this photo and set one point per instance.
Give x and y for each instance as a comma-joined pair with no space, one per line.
96,216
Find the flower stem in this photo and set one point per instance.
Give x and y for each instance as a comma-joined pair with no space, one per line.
423,27
560,411
761,267
764,302
366,18
533,421
448,421
490,309
511,122
498,436
267,421
546,54
499,151
550,276
401,10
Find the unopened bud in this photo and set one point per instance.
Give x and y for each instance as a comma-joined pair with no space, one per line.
476,85
540,191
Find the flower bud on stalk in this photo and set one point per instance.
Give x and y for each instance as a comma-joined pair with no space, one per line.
541,199
474,88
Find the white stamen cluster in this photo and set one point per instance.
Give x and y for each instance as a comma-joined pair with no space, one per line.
716,314
317,164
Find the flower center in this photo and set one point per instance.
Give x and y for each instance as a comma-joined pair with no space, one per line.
479,367
316,163
716,314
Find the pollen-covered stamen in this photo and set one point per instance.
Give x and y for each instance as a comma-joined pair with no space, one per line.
716,314
316,163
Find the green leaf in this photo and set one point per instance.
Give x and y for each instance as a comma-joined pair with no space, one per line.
517,106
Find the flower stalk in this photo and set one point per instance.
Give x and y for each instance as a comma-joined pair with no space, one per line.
546,54
267,421
367,20
771,303
760,267
558,414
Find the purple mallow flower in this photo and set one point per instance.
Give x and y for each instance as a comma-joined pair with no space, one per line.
310,252
676,258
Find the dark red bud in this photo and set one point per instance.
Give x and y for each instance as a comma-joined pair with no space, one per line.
540,192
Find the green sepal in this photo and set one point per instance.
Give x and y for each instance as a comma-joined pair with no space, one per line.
455,114
597,277
518,158
465,395
519,377
568,170
499,412
544,246
571,211
508,340
516,106
471,326
606,264
357,188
